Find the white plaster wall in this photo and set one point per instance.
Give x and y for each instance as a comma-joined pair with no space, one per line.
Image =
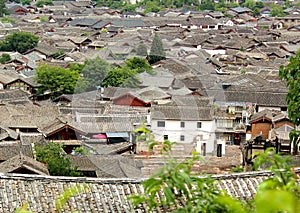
174,130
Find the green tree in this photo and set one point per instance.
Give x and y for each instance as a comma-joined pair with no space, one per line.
58,162
282,187
117,76
207,5
138,64
41,3
151,6
8,20
141,50
93,73
19,41
157,51
290,73
25,2
57,80
251,4
3,10
4,58
277,10
128,7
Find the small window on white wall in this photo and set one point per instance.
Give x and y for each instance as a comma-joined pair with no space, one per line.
199,124
181,137
182,124
161,124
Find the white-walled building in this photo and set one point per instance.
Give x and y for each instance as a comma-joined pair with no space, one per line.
191,123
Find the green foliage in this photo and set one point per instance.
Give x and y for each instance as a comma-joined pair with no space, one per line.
19,41
23,209
128,7
117,76
141,50
126,76
174,188
237,169
3,9
25,2
157,51
41,3
277,10
103,30
251,4
58,162
4,58
151,6
291,75
56,80
282,187
8,20
295,140
44,19
62,199
183,191
93,73
207,5
138,64
58,54
81,151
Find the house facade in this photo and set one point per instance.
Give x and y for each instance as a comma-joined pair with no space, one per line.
185,125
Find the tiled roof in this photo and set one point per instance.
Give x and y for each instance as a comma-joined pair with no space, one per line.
21,161
101,195
183,113
108,149
9,149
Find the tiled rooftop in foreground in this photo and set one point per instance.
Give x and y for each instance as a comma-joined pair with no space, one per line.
101,195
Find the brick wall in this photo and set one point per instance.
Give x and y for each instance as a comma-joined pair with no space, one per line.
210,164
261,128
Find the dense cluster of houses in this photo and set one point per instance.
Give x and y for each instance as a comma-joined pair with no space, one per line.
218,87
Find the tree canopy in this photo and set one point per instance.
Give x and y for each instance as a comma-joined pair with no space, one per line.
126,76
56,80
19,41
157,51
117,76
92,74
58,162
138,64
3,9
41,3
4,58
290,73
141,50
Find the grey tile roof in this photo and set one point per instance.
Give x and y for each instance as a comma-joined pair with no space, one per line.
128,23
13,95
21,161
102,195
182,113
108,149
9,149
29,138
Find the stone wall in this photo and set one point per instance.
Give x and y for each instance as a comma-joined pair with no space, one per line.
209,164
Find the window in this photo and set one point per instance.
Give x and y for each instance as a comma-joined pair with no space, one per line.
181,137
166,137
182,124
203,149
199,124
161,124
225,123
